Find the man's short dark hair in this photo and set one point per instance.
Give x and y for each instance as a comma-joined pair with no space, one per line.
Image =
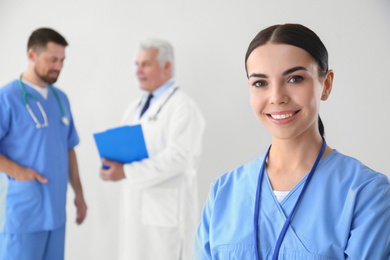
40,37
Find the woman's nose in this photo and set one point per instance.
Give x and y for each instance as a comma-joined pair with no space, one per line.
278,95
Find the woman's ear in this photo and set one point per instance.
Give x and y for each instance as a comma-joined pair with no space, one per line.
328,83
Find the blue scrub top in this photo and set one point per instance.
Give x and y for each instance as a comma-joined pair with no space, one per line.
344,213
31,206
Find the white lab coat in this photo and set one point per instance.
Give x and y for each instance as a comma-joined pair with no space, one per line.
160,196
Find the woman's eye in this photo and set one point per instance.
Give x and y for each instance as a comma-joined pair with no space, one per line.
295,79
260,83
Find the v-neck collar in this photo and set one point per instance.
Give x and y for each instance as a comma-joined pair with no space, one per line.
270,202
43,92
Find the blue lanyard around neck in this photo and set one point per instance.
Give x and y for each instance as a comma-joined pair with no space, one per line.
288,220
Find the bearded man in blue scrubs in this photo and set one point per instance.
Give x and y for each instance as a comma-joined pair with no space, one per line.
37,157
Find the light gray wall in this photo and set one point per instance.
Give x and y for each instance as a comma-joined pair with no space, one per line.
210,39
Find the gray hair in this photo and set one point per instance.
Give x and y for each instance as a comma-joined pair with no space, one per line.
165,51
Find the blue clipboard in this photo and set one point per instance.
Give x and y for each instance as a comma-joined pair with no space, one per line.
125,144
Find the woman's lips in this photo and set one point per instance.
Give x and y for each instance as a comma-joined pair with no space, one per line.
283,117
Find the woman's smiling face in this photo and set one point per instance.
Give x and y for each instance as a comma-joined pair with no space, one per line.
286,89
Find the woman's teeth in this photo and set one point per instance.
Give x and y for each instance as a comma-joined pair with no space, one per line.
282,116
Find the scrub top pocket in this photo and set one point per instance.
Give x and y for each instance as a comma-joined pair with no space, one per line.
160,207
24,203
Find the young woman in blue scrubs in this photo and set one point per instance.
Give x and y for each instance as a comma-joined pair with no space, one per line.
302,199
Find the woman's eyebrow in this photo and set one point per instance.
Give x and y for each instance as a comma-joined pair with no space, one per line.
257,75
260,75
293,70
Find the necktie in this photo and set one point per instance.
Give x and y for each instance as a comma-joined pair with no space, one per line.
147,103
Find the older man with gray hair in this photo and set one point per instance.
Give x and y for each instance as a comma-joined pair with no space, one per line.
160,197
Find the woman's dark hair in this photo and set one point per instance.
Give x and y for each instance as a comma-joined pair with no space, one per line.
299,36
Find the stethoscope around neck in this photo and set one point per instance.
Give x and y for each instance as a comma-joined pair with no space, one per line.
154,116
45,123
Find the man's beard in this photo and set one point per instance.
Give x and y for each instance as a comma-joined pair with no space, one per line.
46,78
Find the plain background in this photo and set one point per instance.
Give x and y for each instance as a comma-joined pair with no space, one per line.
210,39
